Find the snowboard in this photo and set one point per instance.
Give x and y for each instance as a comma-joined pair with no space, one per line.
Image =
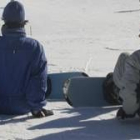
84,91
56,81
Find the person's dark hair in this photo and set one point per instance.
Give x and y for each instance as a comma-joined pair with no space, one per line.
12,25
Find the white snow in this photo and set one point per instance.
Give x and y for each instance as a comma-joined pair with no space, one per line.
78,35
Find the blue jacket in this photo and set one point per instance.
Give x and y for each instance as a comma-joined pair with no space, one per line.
23,73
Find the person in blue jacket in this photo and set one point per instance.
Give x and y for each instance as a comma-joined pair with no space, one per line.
23,67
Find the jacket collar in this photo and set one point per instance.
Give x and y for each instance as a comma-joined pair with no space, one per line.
18,32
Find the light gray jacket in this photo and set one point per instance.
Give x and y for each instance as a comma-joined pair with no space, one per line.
129,81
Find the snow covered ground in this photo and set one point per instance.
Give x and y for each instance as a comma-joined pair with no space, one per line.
78,35
70,124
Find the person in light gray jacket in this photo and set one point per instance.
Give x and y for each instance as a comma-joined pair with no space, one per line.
126,77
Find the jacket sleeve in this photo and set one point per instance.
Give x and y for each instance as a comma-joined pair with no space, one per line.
130,80
37,86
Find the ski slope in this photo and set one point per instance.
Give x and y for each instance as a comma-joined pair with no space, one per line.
78,35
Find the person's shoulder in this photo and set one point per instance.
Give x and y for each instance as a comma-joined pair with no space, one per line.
32,41
135,57
2,40
136,53
0,37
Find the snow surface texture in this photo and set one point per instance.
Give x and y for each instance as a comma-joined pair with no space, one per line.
78,35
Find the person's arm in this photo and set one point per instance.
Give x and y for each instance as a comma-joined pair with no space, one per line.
130,81
37,86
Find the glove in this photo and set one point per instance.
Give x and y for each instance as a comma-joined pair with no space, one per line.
42,113
122,115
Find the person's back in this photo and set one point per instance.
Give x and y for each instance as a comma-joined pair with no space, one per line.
23,66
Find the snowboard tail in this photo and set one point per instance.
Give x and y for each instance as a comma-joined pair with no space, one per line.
56,81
